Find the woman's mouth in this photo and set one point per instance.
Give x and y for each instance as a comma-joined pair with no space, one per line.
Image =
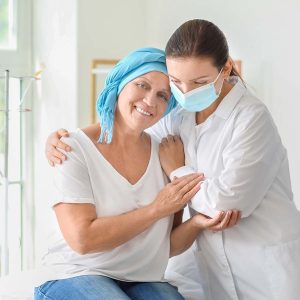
143,112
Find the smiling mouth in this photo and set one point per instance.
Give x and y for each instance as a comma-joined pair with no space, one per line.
143,112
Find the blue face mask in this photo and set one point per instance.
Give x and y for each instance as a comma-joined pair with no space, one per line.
197,99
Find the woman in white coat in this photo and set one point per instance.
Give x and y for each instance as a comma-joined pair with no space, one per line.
229,135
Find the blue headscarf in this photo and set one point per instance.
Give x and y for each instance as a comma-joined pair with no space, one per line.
137,63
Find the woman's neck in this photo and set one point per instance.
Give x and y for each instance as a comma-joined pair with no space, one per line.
124,136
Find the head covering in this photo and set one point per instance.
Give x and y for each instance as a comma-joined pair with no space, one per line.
137,63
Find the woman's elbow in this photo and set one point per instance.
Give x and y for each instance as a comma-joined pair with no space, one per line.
79,241
79,246
86,245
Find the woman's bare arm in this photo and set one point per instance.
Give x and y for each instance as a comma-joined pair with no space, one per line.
183,236
85,233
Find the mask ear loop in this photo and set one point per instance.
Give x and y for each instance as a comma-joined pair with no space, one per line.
218,94
218,76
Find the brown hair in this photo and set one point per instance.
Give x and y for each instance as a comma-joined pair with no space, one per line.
196,38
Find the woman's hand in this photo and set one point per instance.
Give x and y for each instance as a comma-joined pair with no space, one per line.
171,154
53,142
221,221
175,195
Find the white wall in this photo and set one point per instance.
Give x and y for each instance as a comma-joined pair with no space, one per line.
106,30
55,101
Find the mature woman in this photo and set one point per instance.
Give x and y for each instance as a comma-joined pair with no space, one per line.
114,211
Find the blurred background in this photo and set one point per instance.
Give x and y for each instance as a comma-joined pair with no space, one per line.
48,47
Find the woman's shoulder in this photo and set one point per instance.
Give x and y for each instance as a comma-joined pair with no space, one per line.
73,139
92,132
253,113
79,141
252,105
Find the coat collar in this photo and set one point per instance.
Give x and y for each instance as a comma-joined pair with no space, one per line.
229,102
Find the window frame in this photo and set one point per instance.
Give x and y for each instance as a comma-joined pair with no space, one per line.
19,61
12,26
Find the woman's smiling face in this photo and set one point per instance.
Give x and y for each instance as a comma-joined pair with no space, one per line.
143,101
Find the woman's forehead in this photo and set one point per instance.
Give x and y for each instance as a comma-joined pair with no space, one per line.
157,78
191,67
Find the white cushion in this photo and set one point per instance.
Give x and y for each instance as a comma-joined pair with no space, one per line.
19,286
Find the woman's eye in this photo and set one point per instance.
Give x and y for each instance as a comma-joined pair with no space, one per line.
164,97
141,85
201,83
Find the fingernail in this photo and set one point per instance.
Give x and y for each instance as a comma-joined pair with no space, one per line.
68,149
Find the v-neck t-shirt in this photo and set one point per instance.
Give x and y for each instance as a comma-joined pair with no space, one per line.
87,177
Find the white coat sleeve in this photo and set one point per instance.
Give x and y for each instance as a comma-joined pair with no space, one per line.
71,178
251,161
167,125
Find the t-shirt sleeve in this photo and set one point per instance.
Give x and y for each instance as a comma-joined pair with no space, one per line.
71,178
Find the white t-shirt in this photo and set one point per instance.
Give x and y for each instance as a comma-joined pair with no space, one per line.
87,177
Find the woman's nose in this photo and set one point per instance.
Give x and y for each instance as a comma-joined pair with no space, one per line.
149,100
185,88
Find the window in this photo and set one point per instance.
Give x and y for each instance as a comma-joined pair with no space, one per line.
8,24
11,179
16,212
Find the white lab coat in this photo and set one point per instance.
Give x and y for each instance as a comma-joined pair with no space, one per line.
240,152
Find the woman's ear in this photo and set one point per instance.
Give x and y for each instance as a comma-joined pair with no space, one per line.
228,67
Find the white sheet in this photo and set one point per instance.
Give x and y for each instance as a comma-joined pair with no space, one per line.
182,272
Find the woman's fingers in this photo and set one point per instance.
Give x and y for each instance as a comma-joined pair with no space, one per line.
181,181
63,132
223,224
234,218
163,141
170,138
216,219
190,194
57,143
54,143
51,163
187,182
230,219
54,160
58,154
190,185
